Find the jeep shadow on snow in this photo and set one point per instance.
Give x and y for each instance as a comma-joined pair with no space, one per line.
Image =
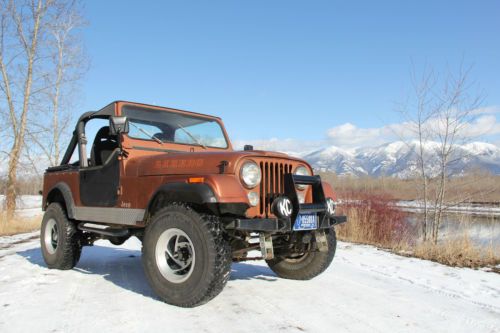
172,179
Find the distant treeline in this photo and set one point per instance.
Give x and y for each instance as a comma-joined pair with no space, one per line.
25,185
475,187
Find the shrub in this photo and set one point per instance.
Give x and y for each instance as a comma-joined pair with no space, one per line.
374,220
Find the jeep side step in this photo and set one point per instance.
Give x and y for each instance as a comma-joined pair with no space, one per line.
103,229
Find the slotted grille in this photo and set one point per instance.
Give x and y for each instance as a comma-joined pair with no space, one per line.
272,184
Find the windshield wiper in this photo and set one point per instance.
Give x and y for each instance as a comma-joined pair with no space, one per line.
192,137
148,134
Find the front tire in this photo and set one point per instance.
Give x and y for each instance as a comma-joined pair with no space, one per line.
308,265
59,239
186,259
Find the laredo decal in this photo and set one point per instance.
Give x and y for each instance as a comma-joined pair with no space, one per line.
178,164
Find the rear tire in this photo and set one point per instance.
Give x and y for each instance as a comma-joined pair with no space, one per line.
59,239
186,259
307,266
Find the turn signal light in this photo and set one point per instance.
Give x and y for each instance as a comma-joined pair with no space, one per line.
195,180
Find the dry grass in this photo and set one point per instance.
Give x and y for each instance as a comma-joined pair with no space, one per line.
458,253
19,225
374,221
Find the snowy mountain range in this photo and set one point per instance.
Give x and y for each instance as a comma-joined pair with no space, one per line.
399,159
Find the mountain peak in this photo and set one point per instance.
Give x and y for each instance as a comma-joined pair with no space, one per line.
399,159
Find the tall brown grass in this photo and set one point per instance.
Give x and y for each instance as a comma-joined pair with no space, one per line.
19,225
373,220
459,252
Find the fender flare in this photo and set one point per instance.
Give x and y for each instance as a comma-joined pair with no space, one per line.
199,193
67,196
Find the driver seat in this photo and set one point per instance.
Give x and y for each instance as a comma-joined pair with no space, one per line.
103,146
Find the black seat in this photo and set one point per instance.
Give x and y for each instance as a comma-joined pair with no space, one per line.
103,146
167,134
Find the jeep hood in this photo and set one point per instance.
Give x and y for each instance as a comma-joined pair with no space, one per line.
193,163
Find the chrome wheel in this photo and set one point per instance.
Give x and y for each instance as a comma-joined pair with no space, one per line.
51,236
175,256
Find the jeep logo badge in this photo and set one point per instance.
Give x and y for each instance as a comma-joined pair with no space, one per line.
282,207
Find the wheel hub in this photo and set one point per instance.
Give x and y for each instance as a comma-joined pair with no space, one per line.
51,236
175,256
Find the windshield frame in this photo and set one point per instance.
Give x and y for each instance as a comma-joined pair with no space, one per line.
146,107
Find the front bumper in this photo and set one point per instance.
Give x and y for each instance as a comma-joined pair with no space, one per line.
278,225
285,224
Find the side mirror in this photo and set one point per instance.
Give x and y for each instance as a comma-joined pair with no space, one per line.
118,125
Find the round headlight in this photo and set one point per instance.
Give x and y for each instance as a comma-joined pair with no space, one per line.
302,171
250,174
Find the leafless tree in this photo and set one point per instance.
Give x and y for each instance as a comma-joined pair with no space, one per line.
454,111
439,112
28,30
19,42
417,114
69,63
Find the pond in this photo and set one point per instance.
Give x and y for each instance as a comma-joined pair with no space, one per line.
483,230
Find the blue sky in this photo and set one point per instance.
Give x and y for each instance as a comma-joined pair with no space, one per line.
286,69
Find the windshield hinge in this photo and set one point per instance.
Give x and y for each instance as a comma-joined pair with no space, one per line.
222,166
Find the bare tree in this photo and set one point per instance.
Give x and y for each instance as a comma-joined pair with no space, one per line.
455,106
417,115
440,111
25,21
69,64
31,34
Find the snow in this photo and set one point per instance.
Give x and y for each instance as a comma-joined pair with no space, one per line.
364,290
398,159
26,205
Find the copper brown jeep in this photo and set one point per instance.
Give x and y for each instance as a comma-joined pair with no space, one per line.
172,179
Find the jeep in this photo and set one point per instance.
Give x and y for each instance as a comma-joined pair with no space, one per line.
172,179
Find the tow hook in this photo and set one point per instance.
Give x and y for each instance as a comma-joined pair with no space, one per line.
266,246
321,240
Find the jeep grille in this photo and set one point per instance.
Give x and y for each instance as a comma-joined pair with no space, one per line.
272,184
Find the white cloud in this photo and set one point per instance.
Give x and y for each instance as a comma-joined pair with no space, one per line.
290,146
485,126
486,110
349,135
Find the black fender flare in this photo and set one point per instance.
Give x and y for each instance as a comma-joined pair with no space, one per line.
198,193
65,190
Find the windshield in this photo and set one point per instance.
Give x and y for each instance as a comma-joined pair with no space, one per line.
163,126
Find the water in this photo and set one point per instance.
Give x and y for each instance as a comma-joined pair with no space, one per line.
482,230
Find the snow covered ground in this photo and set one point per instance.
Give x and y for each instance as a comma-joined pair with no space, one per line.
26,205
365,290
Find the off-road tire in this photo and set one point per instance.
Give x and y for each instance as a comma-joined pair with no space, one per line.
68,249
309,266
212,266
